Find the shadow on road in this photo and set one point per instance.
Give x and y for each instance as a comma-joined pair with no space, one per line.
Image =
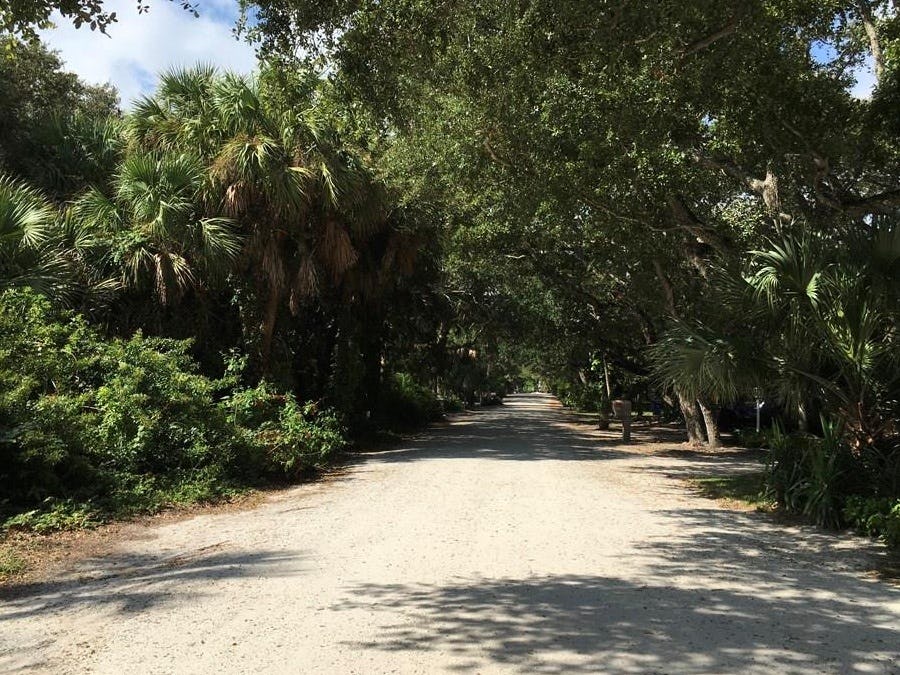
133,583
773,605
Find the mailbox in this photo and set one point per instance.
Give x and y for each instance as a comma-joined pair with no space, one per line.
622,409
622,412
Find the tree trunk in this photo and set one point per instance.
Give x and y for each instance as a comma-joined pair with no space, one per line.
802,418
711,420
603,413
868,21
268,328
606,380
691,419
372,348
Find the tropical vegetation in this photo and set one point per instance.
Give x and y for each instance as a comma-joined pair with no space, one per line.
413,206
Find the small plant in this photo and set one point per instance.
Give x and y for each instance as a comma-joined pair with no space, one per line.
54,516
292,437
825,460
10,563
805,474
305,438
452,404
874,517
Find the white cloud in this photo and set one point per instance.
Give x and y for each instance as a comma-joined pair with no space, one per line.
140,46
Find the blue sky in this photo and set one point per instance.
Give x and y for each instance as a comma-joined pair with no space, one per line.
865,76
140,46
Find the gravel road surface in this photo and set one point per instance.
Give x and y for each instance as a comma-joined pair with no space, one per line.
512,540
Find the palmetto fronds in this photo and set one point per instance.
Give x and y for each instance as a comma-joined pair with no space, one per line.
28,226
834,325
700,363
789,272
160,236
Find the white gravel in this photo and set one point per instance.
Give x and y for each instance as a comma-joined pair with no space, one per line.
510,541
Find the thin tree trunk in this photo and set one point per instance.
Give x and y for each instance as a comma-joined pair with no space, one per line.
868,21
372,347
802,417
605,398
711,420
691,419
269,322
606,379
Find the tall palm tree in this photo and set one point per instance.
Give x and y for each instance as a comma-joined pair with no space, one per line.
303,203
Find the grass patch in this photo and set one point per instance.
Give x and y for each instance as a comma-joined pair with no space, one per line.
743,490
10,563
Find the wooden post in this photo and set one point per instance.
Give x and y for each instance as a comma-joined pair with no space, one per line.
622,410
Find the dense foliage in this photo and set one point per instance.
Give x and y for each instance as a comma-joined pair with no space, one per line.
678,202
227,293
682,203
91,426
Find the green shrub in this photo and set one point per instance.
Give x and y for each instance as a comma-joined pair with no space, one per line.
406,405
92,427
808,475
55,515
875,517
583,397
292,438
78,413
11,563
750,438
452,404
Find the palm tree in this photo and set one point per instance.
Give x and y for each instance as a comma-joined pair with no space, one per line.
159,237
787,281
28,226
302,202
78,151
832,325
705,366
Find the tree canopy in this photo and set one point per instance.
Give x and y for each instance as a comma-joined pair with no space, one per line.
418,204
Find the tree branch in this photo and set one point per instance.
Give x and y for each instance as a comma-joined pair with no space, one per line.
687,220
668,291
766,188
728,29
865,14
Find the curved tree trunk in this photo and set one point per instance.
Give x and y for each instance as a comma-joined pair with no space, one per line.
691,419
711,420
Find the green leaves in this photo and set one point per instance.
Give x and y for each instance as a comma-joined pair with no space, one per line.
28,230
694,359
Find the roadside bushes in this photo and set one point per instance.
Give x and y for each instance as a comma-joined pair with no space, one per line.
875,517
288,438
91,427
589,397
405,404
750,438
827,480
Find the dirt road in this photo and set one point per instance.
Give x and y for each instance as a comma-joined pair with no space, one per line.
513,540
